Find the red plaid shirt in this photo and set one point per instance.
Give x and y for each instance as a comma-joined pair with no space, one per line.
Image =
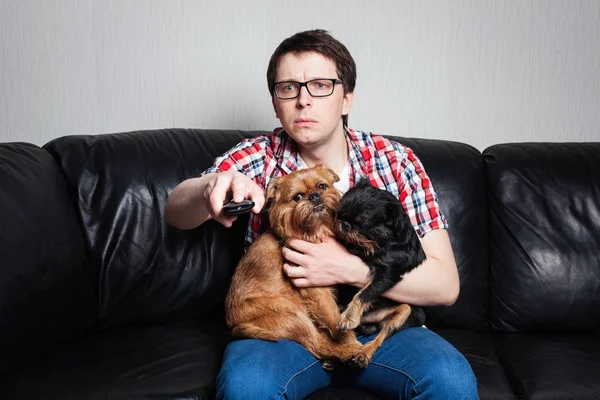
389,165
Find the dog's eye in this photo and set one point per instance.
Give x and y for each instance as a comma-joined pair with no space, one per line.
322,186
298,196
346,226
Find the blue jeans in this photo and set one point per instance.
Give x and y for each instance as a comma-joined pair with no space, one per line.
413,363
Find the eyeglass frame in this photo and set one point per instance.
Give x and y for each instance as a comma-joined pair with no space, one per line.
335,81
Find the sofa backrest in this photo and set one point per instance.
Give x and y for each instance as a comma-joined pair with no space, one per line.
47,289
147,269
457,173
545,236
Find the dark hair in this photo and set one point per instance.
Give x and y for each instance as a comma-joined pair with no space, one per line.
316,41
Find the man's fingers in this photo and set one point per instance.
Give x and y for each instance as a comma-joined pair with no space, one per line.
218,193
227,221
294,271
293,256
239,188
300,245
301,282
257,195
297,275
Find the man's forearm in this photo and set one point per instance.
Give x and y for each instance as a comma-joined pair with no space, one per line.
430,284
185,208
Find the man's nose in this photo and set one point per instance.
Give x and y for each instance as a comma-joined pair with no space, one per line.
304,98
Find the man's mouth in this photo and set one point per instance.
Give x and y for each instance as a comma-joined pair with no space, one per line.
304,122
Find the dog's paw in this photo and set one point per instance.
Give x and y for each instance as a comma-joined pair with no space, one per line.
349,320
361,360
327,365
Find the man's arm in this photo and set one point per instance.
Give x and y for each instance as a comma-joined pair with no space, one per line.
433,283
196,200
185,208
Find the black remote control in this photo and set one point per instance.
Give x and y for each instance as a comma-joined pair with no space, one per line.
232,208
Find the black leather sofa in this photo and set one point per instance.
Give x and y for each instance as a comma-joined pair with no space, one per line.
100,298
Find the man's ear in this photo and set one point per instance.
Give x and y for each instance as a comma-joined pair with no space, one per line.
347,105
274,106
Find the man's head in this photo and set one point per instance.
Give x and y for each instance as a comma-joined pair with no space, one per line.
319,42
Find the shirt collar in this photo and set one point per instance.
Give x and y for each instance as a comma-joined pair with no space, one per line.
285,150
359,158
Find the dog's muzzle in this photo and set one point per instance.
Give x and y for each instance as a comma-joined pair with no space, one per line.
315,198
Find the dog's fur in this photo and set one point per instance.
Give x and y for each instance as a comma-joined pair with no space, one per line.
262,302
372,224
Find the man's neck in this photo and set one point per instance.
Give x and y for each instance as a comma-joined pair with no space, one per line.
333,154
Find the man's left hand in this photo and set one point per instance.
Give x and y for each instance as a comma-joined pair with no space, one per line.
322,264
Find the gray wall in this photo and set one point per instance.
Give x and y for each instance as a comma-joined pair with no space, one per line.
480,72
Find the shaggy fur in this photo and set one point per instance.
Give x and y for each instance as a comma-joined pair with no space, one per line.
372,224
262,302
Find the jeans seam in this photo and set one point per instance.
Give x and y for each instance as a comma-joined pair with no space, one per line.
401,372
296,374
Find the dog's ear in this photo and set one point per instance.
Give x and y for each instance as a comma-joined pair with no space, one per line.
331,175
399,220
272,194
364,181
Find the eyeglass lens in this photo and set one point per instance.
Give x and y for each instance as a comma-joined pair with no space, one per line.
316,88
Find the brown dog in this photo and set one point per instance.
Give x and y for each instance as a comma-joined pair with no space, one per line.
262,302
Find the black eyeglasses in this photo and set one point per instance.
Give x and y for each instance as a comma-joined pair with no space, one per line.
316,88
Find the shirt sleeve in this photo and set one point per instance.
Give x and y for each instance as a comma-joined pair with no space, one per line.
247,157
417,194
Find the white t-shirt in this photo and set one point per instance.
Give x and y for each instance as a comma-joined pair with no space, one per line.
342,185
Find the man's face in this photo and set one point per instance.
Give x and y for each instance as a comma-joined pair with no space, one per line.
310,121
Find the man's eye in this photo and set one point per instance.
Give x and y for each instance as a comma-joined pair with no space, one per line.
289,88
298,196
322,186
321,84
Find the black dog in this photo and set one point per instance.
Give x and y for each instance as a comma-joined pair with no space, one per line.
372,224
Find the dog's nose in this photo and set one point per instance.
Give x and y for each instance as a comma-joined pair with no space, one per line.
315,197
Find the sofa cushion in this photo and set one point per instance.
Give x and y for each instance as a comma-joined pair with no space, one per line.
458,176
149,270
47,291
551,366
545,236
173,360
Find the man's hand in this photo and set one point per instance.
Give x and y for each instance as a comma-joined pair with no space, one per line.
433,283
197,200
322,264
239,185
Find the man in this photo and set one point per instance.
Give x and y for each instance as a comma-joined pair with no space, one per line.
311,77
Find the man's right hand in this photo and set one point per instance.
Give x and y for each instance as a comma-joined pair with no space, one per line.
197,200
231,185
